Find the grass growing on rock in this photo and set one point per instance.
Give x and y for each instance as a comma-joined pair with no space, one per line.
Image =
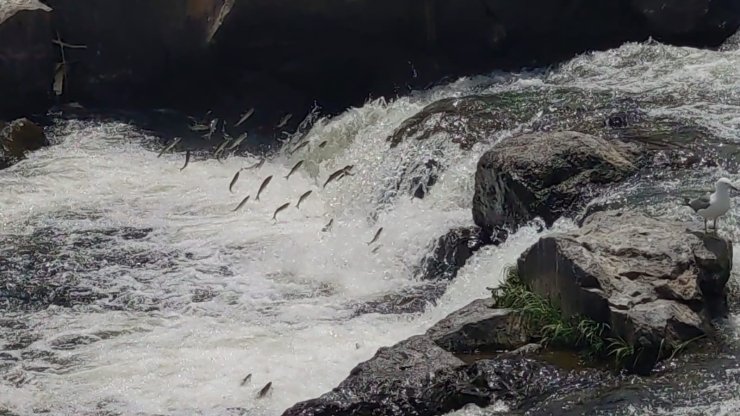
546,321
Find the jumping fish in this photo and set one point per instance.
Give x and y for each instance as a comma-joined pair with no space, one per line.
187,160
327,227
233,181
246,379
263,186
338,174
322,144
304,196
257,165
241,204
377,235
284,121
280,208
299,147
221,148
245,117
211,129
237,142
168,148
295,168
264,390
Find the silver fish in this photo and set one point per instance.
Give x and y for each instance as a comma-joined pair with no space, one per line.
221,148
327,227
237,142
168,148
245,117
377,235
322,144
295,168
198,127
246,379
264,390
233,181
299,147
280,208
284,121
241,204
211,129
338,174
263,186
304,196
257,165
187,160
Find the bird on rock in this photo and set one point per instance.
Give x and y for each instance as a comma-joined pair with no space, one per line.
711,207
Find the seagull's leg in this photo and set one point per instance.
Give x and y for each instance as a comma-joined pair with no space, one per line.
705,225
715,225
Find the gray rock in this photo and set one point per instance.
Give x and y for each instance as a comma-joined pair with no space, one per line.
17,138
451,252
545,175
26,56
479,326
652,281
390,383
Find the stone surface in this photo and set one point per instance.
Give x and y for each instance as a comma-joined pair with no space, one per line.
134,48
652,281
26,56
545,175
17,138
450,253
479,326
417,377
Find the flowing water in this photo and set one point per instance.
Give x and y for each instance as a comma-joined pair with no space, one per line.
131,287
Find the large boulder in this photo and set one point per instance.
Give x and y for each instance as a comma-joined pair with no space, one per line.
479,326
419,377
26,56
17,138
546,175
656,283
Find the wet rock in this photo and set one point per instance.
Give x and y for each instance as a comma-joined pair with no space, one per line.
26,56
411,300
464,120
17,138
390,383
678,20
479,326
444,386
423,177
545,175
451,252
133,50
654,282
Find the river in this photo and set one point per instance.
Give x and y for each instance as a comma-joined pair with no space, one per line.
131,287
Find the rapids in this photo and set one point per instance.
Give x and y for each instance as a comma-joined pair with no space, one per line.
129,287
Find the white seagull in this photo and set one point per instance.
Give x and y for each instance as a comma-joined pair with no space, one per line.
715,205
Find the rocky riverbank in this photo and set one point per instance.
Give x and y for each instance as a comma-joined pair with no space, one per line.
624,291
229,55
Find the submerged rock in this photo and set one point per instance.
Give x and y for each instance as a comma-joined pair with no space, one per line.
17,138
654,282
480,326
451,252
26,56
545,175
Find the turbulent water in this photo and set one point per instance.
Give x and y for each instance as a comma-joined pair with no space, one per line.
131,287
